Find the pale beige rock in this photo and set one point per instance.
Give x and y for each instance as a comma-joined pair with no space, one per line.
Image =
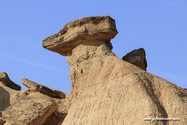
43,89
8,96
7,82
57,117
109,91
67,96
81,30
29,111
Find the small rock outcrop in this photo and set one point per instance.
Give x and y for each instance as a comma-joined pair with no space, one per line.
9,91
43,89
137,57
29,111
4,99
4,79
107,90
38,105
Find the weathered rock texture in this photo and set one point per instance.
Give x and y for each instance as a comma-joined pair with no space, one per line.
4,99
7,96
107,90
43,89
57,117
81,30
4,79
29,111
8,91
37,105
137,57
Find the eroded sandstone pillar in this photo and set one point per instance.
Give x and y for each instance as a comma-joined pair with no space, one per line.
107,90
83,40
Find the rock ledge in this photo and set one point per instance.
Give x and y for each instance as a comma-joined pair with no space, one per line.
81,30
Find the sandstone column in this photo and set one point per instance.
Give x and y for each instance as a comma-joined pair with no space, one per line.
107,90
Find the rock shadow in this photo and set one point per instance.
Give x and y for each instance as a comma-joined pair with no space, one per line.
55,119
4,99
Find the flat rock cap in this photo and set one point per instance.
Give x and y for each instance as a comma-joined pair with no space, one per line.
84,29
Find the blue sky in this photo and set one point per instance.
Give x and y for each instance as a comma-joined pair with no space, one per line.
158,26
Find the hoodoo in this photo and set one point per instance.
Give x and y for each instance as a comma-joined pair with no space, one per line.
107,90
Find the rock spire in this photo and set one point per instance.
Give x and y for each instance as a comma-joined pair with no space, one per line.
107,90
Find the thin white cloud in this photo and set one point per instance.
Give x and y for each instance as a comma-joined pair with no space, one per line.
36,64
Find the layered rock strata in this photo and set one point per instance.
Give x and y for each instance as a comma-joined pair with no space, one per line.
107,90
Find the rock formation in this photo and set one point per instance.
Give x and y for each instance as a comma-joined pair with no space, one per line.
4,79
107,90
43,89
137,57
9,91
29,110
38,105
81,30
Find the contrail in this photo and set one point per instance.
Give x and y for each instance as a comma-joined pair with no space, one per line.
36,64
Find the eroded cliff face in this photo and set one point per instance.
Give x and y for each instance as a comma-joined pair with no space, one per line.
108,90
